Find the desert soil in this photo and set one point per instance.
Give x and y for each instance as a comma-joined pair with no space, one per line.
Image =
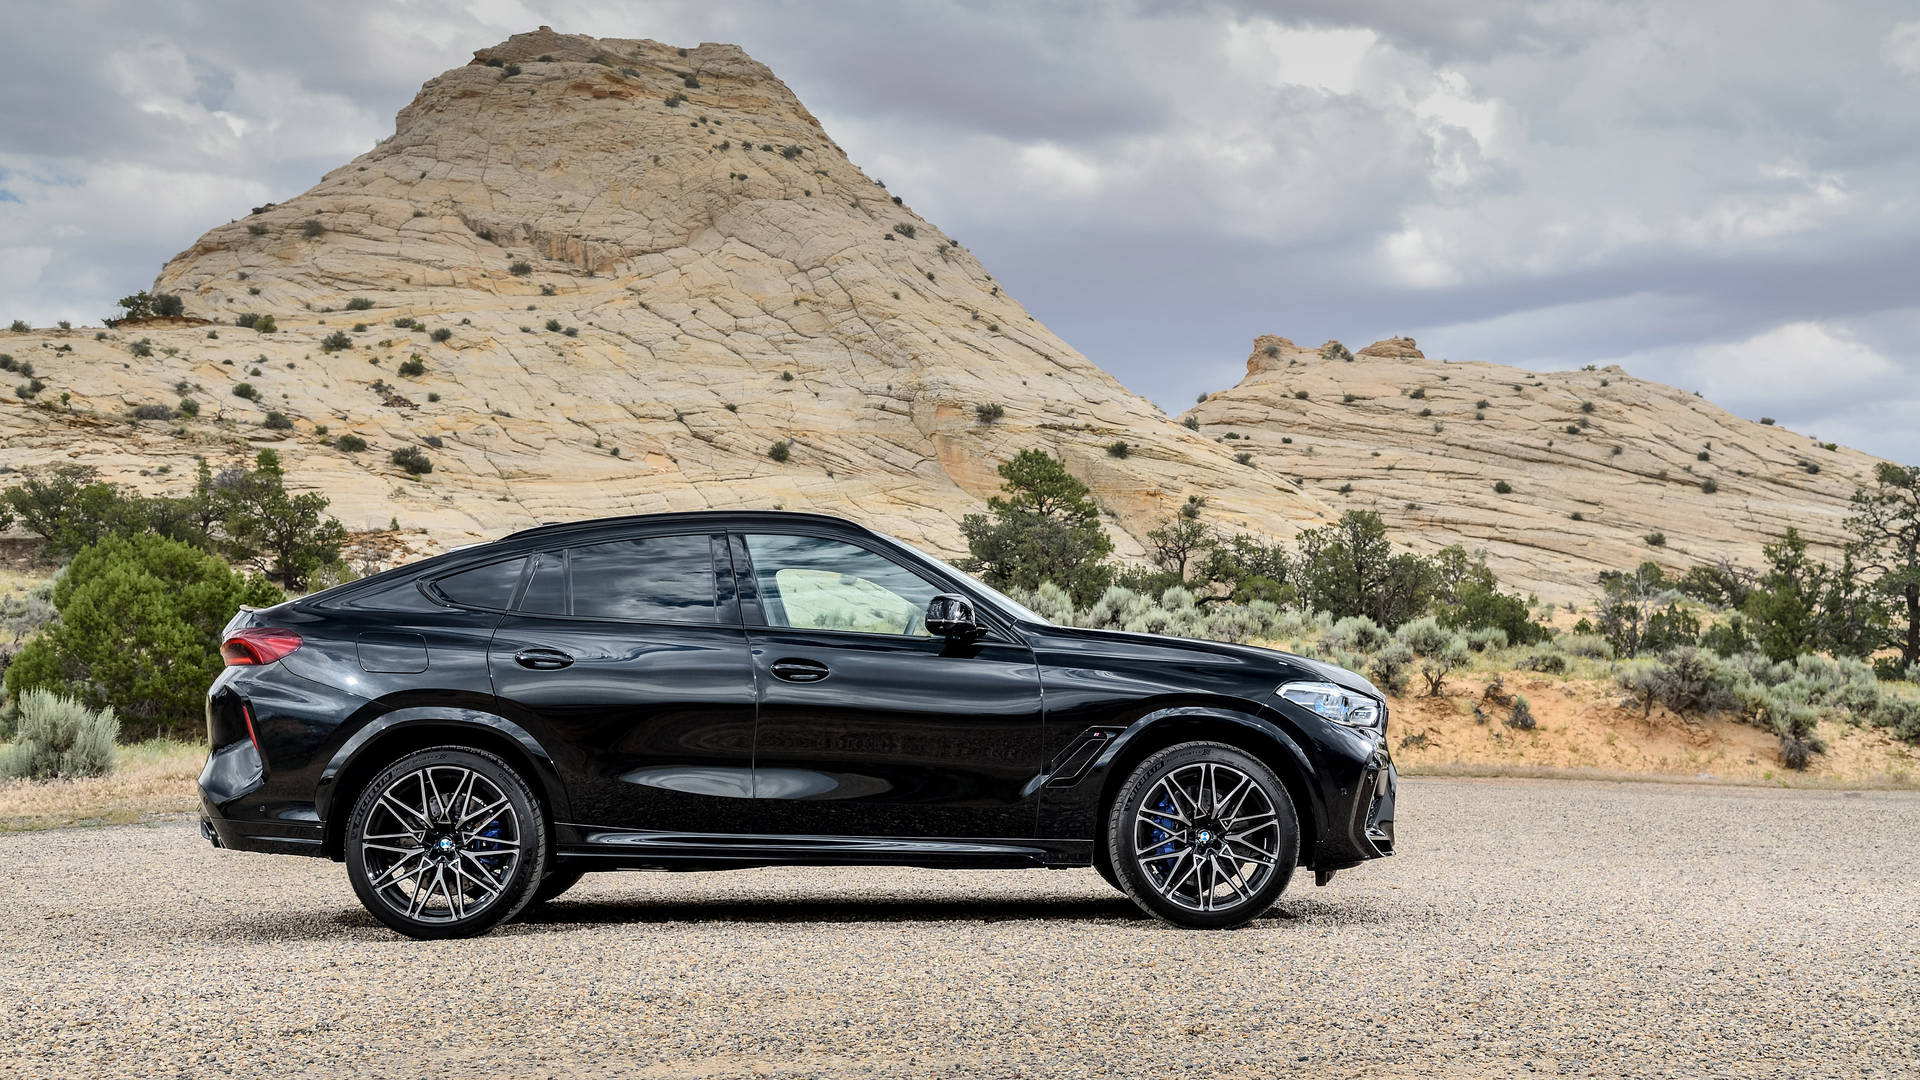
1575,928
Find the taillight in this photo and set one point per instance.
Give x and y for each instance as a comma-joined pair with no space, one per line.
259,645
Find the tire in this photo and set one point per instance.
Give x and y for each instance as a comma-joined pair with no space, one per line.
556,882
446,842
1184,860
1104,866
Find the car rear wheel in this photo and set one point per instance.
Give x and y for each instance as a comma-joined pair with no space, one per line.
446,842
1203,835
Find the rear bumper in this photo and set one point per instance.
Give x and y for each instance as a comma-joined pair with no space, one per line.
229,819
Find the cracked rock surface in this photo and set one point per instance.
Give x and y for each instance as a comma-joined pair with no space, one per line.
648,264
1414,439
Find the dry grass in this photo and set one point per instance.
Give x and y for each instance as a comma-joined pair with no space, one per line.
151,779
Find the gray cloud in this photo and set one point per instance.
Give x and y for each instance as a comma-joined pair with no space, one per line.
1706,195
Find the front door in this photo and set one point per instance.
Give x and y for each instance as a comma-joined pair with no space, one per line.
629,660
869,725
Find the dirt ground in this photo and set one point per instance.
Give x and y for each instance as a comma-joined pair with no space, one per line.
1582,727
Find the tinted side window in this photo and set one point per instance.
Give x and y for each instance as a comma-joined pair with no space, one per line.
547,589
812,583
489,586
652,579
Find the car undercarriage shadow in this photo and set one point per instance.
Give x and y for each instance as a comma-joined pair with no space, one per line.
562,915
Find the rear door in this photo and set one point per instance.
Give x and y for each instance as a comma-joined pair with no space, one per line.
631,654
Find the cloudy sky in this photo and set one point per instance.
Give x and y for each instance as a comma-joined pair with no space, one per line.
1721,195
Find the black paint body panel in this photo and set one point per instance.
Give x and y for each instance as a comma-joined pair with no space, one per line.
675,745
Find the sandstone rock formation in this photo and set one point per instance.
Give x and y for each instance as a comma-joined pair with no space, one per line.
598,276
1597,461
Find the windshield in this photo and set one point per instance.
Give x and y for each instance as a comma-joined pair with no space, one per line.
1005,603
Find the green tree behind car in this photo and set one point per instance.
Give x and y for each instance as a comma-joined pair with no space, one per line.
137,628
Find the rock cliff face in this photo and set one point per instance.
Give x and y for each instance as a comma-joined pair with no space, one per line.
1597,461
597,276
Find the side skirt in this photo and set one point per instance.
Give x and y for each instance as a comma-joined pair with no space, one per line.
647,849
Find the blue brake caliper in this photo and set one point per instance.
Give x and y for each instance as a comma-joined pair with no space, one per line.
493,862
1163,835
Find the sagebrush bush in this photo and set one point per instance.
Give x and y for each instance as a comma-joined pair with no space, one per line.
359,303
1392,667
1546,660
351,444
990,412
1487,639
58,738
1590,646
1358,634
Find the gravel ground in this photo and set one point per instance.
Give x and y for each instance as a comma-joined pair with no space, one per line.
1543,927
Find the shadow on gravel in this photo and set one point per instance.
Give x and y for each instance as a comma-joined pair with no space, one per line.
562,913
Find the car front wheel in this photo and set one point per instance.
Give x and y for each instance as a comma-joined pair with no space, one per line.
446,842
1203,835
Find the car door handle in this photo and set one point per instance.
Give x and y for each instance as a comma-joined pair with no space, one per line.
800,670
542,659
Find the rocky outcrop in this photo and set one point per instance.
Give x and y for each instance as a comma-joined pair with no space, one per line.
597,276
1593,463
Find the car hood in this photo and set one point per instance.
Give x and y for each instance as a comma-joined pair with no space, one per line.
1285,665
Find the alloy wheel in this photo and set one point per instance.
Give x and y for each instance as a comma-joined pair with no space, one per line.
1207,837
441,844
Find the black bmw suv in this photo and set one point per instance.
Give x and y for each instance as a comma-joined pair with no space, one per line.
472,733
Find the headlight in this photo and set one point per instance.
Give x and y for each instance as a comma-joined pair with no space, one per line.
1336,703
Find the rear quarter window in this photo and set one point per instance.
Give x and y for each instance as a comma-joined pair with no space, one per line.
489,586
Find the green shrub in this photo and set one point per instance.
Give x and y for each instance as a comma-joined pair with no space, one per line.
906,229
412,459
312,229
359,303
1392,667
413,367
1591,646
152,412
990,412
1440,650
1547,661
1656,539
143,348
246,390
1521,717
520,268
277,421
553,326
336,342
351,444
441,334
1487,639
1501,487
58,738
1358,633
189,407
1118,449
139,631
781,450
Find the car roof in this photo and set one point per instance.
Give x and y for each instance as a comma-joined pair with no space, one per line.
700,518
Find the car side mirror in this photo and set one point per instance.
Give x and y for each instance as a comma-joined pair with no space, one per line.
950,615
